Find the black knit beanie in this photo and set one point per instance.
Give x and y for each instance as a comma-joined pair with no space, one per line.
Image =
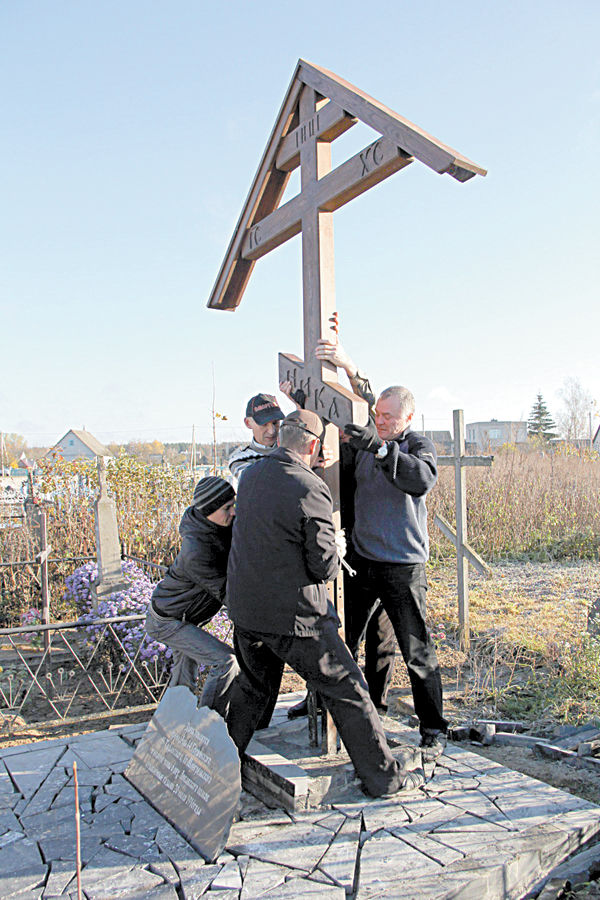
211,493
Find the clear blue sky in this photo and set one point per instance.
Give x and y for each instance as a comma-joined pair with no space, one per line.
131,134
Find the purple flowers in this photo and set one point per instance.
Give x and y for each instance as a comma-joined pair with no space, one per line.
132,601
129,602
32,616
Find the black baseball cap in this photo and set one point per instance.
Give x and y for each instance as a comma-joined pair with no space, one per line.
263,408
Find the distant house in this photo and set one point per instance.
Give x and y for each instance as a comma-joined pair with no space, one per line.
79,445
578,444
489,435
442,440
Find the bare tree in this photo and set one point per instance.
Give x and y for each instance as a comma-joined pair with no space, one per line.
577,402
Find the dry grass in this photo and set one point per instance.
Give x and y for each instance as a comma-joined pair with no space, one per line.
538,505
530,654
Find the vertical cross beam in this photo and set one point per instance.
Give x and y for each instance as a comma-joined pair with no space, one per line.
460,490
318,287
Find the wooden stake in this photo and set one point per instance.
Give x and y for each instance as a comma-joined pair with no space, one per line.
44,552
77,833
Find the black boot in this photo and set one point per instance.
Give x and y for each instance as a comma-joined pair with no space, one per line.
299,709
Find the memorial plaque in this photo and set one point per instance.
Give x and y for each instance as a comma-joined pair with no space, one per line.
188,768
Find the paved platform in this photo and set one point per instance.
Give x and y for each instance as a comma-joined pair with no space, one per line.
475,829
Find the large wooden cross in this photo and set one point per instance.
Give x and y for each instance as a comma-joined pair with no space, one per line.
318,107
464,552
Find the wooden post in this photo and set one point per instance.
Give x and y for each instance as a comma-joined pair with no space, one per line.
43,556
318,286
464,553
460,492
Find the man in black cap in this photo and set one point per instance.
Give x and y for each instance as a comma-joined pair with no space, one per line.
263,415
282,556
193,590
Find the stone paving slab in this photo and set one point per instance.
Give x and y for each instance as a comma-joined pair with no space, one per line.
475,829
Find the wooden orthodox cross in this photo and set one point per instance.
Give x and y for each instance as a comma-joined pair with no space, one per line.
464,552
319,107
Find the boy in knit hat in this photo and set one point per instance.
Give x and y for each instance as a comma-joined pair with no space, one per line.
193,590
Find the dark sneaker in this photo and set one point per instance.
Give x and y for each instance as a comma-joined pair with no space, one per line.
432,745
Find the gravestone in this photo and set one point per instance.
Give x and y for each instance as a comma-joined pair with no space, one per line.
188,768
108,548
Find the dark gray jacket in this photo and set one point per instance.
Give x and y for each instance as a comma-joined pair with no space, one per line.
283,551
194,586
390,512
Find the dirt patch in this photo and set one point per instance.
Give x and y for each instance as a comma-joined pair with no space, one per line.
561,775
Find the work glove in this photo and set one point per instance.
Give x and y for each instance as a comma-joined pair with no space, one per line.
299,397
364,437
340,543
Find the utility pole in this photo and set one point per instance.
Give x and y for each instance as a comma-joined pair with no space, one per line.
193,451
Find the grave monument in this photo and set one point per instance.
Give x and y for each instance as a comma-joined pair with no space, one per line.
188,768
108,548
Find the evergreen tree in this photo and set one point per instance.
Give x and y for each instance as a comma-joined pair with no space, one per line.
540,423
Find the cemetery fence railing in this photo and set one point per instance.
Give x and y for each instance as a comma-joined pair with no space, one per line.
70,679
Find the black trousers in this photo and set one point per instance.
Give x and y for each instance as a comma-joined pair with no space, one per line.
402,590
324,661
380,646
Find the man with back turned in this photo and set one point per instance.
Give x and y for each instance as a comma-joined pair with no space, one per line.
283,554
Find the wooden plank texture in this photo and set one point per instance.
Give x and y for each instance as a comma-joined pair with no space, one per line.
264,196
474,558
355,176
333,402
325,124
416,142
466,460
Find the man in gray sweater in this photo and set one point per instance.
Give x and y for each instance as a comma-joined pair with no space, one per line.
393,468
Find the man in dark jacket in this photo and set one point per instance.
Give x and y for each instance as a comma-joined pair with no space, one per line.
193,590
394,469
283,554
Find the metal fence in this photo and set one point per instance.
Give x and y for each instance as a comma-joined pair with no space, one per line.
58,674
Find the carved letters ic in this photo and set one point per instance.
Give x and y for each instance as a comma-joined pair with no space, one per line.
254,237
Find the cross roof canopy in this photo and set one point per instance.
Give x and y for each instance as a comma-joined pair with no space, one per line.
264,225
